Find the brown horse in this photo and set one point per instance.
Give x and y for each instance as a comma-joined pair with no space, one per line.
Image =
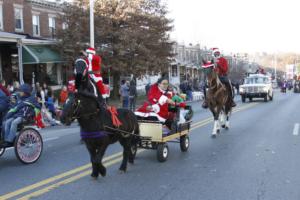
218,99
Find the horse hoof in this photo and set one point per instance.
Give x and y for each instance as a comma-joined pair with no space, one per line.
94,176
226,128
213,135
218,131
122,171
223,126
131,162
102,172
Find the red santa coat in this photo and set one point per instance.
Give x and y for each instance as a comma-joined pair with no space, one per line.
94,64
222,66
158,100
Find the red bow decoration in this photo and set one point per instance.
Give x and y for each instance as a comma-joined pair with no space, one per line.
114,116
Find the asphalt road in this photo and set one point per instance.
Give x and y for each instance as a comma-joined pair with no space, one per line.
257,158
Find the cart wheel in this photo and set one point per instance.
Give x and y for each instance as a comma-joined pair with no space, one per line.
28,146
184,143
2,150
162,152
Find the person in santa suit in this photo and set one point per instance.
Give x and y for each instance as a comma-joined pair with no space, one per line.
94,70
222,70
158,100
71,86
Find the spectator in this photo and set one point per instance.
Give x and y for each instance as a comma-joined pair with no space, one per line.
24,109
147,87
63,95
4,104
189,91
3,88
132,95
50,104
124,92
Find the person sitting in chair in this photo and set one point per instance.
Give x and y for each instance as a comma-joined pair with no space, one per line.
222,70
23,110
159,98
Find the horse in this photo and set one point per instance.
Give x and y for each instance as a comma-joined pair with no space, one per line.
96,124
218,99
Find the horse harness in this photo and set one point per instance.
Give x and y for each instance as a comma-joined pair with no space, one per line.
124,134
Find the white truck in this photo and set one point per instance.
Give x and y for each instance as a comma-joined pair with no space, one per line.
257,86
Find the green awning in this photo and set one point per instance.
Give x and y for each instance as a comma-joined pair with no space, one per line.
34,54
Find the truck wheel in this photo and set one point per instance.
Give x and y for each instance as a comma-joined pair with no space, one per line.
266,98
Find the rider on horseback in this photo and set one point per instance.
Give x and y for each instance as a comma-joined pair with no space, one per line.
222,70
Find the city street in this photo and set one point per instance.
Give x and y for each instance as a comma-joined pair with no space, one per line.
257,158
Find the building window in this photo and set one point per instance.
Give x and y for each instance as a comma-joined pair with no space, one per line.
36,25
1,16
18,19
52,26
64,25
174,71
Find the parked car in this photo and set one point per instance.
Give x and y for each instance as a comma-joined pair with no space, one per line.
257,86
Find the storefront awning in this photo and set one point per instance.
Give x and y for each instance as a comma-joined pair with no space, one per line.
34,54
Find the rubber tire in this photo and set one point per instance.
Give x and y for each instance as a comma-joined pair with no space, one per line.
243,99
266,98
271,97
162,152
2,151
16,146
184,143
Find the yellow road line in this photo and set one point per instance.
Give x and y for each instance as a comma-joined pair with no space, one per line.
68,180
110,161
55,178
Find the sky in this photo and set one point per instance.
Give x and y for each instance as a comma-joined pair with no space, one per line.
238,25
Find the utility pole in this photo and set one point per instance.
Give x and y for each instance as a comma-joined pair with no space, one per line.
92,40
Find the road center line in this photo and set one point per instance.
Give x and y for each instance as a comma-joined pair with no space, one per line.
296,129
85,169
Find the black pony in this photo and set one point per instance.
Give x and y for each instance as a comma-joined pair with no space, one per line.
97,129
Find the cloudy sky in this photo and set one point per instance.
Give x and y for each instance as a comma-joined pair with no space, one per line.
238,25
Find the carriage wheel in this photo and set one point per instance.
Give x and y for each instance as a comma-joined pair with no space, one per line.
162,152
184,143
28,146
2,150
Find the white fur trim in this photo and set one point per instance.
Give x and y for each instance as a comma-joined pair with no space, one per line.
156,108
162,100
95,78
90,51
105,96
150,114
90,58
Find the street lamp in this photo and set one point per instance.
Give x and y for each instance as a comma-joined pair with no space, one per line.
92,41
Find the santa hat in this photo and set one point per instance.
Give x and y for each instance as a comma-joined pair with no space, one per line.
215,50
91,50
96,63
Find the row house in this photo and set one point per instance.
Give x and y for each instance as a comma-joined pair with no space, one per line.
186,64
27,41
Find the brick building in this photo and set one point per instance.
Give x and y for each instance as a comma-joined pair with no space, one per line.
27,40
